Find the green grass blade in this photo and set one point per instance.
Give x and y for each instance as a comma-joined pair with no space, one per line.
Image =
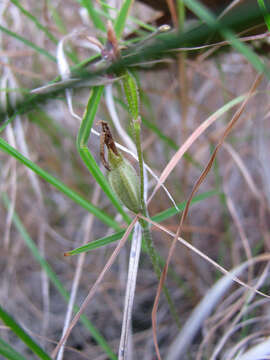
19,331
56,17
93,14
28,43
55,280
96,244
167,140
164,215
87,157
204,14
142,24
266,15
35,21
121,18
41,27
8,352
4,146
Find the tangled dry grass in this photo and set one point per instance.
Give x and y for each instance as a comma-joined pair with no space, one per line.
231,226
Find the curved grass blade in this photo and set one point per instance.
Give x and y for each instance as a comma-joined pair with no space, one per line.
93,14
101,215
266,15
56,282
166,214
28,43
121,18
19,331
8,352
35,21
203,13
96,244
87,157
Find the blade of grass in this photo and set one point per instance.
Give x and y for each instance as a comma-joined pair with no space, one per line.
8,352
93,14
203,13
19,331
121,18
266,16
190,140
87,157
167,140
93,289
131,18
35,21
101,215
28,43
55,280
164,215
56,17
42,27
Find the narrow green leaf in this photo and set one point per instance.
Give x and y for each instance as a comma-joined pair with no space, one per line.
56,17
93,14
121,18
96,244
266,15
19,331
28,43
4,146
87,157
204,14
8,352
35,21
172,211
55,280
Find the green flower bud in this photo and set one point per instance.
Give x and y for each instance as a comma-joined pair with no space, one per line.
124,181
122,176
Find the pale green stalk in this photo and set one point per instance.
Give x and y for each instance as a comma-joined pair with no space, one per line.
131,92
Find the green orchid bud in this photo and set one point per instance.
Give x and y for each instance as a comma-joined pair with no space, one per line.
122,176
124,181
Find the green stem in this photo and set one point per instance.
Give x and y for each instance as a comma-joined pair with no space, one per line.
145,225
137,131
154,259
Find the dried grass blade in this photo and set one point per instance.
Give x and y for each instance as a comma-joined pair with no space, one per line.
95,286
194,190
199,131
130,291
263,257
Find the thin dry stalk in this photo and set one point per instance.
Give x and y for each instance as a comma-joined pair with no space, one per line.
185,212
95,286
79,269
263,257
239,315
224,319
182,150
243,169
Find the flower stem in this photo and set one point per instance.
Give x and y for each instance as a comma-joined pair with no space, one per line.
145,225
